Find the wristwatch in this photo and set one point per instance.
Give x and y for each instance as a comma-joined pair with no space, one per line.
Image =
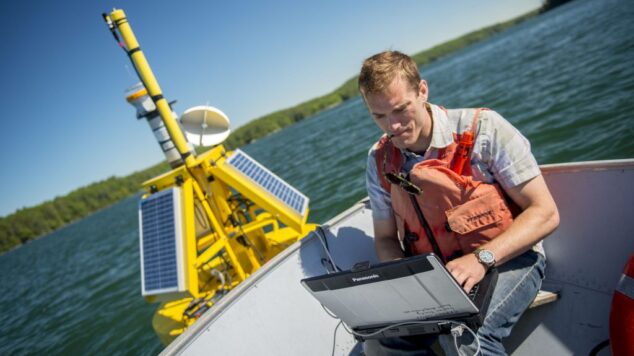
486,257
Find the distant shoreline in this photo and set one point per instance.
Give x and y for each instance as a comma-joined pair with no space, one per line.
30,223
267,124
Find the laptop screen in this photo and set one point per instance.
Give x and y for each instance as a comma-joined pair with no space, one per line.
416,288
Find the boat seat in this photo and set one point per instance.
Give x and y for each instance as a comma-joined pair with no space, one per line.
544,297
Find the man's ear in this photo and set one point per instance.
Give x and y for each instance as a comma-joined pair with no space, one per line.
423,90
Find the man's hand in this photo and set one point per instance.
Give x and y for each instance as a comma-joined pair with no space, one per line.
467,270
538,219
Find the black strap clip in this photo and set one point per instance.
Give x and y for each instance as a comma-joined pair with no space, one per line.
361,266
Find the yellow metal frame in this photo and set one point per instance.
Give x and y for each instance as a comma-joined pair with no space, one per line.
231,225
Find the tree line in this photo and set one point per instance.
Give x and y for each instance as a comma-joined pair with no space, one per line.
270,123
29,223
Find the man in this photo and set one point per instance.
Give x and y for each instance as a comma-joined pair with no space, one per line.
422,143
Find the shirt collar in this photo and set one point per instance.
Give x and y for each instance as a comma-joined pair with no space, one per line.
441,135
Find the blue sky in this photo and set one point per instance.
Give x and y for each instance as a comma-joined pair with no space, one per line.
65,121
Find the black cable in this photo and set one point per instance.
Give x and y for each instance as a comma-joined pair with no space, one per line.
112,29
236,211
320,233
600,346
330,266
323,234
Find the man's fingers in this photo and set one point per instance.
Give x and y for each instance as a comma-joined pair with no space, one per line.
460,275
468,285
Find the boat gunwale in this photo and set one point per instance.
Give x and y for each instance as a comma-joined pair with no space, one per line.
627,163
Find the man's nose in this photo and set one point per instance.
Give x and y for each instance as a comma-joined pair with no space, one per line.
394,123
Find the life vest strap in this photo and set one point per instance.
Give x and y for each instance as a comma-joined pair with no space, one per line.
428,232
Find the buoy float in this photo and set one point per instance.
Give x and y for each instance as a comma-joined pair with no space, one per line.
622,313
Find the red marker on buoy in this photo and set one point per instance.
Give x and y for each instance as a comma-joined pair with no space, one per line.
463,151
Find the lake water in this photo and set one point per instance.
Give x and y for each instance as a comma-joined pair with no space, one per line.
565,80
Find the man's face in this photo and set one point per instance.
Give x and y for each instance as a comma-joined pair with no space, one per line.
400,111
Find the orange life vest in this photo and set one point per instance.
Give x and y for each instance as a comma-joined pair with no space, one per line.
460,212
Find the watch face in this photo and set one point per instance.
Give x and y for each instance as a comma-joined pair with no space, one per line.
486,256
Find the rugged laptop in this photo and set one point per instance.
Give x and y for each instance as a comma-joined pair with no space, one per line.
369,298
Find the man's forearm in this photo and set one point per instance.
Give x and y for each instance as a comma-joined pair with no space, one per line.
387,248
386,241
538,219
531,226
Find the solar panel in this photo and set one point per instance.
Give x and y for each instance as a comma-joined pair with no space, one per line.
269,181
160,234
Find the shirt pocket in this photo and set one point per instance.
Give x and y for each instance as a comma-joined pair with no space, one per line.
480,213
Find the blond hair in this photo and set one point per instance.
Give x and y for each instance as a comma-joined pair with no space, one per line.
380,70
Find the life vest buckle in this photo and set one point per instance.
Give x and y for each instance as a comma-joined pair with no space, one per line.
411,237
448,227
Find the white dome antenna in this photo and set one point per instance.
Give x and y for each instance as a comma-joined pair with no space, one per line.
205,125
